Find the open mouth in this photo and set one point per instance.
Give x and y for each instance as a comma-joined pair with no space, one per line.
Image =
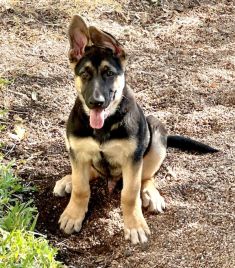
97,117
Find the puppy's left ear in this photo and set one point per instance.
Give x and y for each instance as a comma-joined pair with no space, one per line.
106,40
78,38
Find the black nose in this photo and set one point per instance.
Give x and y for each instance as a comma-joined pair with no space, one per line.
96,101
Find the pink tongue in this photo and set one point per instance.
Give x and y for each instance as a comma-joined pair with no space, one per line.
96,118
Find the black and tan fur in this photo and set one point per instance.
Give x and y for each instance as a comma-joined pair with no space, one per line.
128,145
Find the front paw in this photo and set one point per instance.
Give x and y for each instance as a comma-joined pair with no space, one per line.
63,186
136,229
71,219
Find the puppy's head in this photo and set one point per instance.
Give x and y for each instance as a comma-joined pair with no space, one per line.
98,61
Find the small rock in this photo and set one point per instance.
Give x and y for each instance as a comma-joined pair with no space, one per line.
127,253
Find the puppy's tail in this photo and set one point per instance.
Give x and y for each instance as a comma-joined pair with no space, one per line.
187,144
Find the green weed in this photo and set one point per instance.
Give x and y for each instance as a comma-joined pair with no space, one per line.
4,82
18,245
9,185
19,216
21,249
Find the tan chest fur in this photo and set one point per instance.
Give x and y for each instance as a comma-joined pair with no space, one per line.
116,152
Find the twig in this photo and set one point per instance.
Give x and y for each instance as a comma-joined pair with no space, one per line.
143,72
4,122
18,112
19,93
10,151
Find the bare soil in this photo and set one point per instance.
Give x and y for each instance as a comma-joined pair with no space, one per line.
182,69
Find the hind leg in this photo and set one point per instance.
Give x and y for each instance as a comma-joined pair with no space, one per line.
152,161
63,186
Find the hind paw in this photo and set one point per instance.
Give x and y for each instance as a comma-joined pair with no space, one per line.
152,199
63,186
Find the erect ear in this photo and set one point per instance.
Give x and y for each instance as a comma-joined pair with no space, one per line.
78,38
106,40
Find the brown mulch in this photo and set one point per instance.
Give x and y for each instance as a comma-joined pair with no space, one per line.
182,68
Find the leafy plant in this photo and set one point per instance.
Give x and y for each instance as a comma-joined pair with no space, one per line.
19,216
21,249
18,245
9,185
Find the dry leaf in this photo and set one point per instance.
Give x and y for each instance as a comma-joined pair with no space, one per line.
13,136
17,118
171,172
20,131
34,96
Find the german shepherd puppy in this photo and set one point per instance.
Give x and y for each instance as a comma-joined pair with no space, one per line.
109,136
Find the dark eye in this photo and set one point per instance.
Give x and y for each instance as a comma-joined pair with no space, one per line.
109,73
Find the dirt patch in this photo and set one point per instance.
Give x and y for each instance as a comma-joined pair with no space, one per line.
182,68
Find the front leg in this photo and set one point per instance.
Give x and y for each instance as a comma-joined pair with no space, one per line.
135,226
72,217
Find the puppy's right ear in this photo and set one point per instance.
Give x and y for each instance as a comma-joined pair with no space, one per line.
78,38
